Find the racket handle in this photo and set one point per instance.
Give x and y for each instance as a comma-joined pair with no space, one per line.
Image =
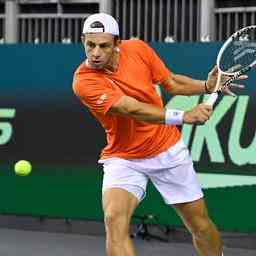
212,98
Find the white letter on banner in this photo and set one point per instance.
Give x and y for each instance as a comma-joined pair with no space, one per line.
207,133
184,103
238,155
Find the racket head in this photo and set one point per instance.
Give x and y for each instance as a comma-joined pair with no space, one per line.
238,54
235,58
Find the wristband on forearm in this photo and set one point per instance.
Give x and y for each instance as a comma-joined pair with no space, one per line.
174,116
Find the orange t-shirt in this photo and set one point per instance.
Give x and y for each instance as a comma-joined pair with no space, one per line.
139,70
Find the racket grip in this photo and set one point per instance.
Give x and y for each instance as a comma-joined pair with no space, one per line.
212,99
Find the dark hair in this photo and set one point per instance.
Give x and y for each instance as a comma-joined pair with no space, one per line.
97,24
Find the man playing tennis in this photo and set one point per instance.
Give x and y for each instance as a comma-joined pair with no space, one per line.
117,83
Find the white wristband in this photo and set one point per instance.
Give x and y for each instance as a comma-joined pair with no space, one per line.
174,116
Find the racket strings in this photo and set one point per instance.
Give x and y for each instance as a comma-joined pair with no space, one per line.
240,52
236,57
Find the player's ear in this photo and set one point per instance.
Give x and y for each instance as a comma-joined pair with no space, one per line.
83,38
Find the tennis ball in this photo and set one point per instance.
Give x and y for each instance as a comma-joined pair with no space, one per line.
23,168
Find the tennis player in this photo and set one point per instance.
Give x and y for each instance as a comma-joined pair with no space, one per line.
116,83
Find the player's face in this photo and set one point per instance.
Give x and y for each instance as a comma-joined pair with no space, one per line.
99,48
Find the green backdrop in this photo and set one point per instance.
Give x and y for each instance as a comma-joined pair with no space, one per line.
42,121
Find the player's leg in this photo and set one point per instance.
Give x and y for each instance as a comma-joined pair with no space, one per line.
206,237
123,188
177,182
118,206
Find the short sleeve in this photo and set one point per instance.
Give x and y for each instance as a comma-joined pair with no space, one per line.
158,69
97,94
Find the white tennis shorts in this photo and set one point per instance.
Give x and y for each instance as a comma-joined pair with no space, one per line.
171,172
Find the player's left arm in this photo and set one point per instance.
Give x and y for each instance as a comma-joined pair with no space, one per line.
177,84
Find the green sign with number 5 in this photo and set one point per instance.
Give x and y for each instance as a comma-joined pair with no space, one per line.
6,129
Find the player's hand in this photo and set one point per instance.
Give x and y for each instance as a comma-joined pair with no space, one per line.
212,81
228,91
197,115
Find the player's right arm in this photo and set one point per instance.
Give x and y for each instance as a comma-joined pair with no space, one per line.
129,106
91,91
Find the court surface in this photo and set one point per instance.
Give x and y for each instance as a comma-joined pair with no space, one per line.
42,243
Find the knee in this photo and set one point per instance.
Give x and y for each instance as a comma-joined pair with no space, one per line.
116,227
115,219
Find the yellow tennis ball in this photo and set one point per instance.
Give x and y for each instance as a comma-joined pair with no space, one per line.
23,168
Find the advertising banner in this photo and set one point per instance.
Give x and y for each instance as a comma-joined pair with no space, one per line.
41,119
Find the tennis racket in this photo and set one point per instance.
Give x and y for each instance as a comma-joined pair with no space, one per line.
235,58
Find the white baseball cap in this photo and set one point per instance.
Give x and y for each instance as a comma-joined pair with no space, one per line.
110,25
